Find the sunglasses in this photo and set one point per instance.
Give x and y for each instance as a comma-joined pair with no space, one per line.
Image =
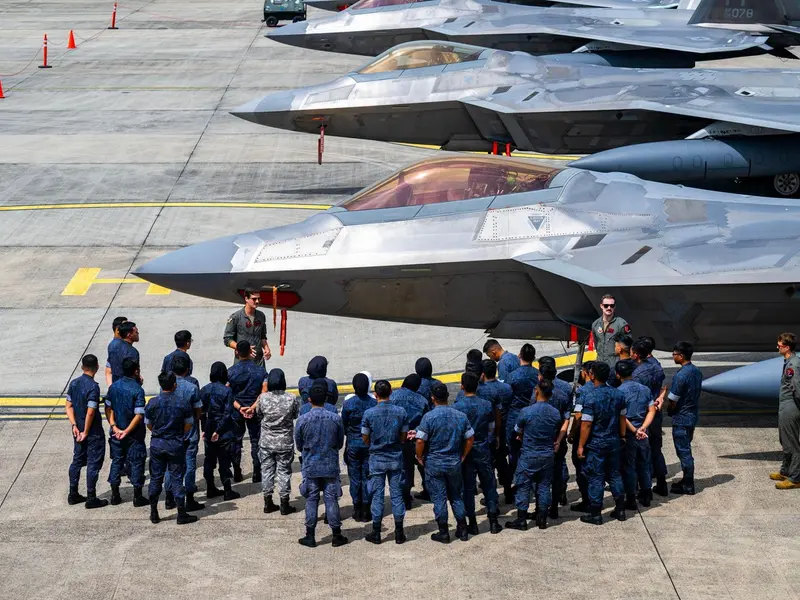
608,305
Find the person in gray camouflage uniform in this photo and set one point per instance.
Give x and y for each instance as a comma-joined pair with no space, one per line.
277,409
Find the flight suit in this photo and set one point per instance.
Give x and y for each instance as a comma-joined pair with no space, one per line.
166,364
500,395
84,393
384,424
188,391
507,364
480,414
604,338
246,378
523,381
789,418
356,454
319,435
538,425
415,406
603,406
277,411
126,398
220,418
167,413
445,430
119,350
638,463
685,392
240,327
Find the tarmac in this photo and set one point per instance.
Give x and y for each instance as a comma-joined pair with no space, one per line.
125,150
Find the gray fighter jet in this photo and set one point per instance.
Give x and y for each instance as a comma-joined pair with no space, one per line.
339,5
740,124
370,27
522,251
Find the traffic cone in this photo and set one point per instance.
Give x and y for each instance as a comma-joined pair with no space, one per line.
1,90
71,43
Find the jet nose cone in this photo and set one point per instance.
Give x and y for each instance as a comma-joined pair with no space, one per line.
758,382
271,110
292,34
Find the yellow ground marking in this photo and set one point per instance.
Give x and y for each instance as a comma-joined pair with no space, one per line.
516,153
23,207
85,278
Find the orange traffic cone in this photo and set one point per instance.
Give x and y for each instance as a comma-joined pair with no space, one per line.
71,43
1,90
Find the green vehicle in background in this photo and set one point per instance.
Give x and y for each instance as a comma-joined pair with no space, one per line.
283,10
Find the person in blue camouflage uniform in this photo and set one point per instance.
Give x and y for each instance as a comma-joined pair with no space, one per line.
220,432
356,453
112,345
384,429
602,425
540,430
649,373
415,405
424,369
684,408
561,400
319,435
584,386
125,411
170,418
183,341
444,439
507,362
246,379
523,381
483,420
121,348
500,395
88,448
640,412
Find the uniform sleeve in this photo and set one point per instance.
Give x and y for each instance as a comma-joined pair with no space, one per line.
470,432
194,399
296,408
423,427
587,412
366,428
404,425
93,398
230,329
139,403
298,434
521,422
624,326
264,324
107,399
676,390
259,408
148,414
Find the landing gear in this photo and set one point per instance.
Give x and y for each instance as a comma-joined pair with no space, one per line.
786,185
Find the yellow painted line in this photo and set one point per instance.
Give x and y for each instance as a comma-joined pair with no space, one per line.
85,278
516,153
24,207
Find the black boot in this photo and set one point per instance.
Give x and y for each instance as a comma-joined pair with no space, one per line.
594,517
646,498
619,509
581,506
520,523
552,512
366,513
357,512
541,519
92,501
472,527
269,505
494,525
138,498
169,501
154,518
229,494
115,497
237,474
212,491
630,502
423,495
374,536
684,486
286,508
461,530
74,497
443,535
660,487
338,539
399,534
308,541
191,504
184,518
563,498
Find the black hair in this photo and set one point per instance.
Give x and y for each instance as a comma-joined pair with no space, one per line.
587,365
545,388
475,368
182,338
319,392
641,349
251,292
649,342
412,382
489,345
625,340
276,381
383,389
625,368
129,366
601,371
167,381
423,367
117,322
546,360
360,384
469,381
180,365
527,353
474,356
439,392
684,348
90,362
243,349
219,373
126,328
489,368
547,371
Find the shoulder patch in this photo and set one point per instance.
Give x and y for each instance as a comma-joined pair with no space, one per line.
790,372
627,328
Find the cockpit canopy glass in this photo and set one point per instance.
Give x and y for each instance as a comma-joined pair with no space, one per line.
364,4
419,55
450,180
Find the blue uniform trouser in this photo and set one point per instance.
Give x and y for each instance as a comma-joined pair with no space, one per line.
167,461
602,465
90,453
482,467
538,472
189,474
128,451
377,488
254,431
409,464
500,459
656,440
310,489
682,437
580,474
512,443
443,487
218,452
560,472
638,465
357,461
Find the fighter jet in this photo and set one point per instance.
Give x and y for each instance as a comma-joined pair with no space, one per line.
339,5
370,27
522,251
739,124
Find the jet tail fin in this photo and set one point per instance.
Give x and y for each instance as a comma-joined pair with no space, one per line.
746,12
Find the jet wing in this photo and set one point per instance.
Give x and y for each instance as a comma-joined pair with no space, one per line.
653,33
618,3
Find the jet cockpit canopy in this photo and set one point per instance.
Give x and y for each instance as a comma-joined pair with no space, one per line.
417,55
